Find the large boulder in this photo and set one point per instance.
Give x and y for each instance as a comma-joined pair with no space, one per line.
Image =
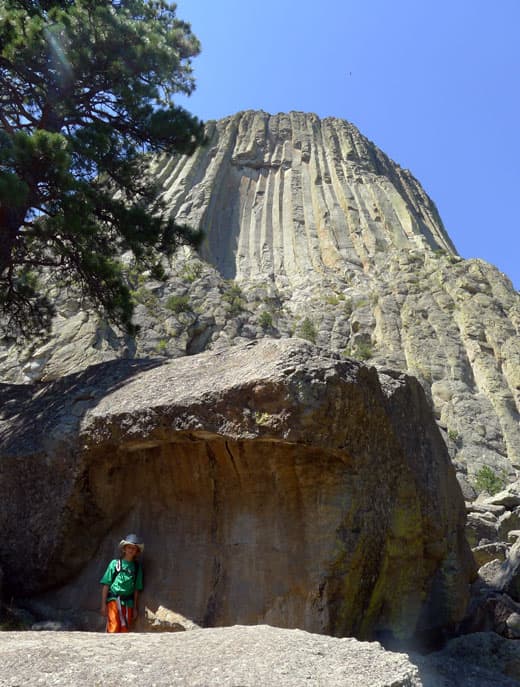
504,576
272,482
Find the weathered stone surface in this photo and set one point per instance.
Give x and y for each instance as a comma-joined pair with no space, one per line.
249,657
165,620
272,482
485,508
232,656
509,497
489,609
505,576
481,528
513,625
492,574
489,552
508,522
317,226
481,660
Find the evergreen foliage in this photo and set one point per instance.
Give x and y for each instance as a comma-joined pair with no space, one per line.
86,90
489,481
307,330
265,320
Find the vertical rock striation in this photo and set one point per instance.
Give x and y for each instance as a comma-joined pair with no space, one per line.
291,194
312,231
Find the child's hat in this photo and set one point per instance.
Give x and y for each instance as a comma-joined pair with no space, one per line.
133,540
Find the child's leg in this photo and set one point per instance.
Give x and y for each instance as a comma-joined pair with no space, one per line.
113,621
129,614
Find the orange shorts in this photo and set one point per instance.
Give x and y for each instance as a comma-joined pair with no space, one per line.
114,623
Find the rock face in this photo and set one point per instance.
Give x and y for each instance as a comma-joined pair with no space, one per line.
312,231
273,482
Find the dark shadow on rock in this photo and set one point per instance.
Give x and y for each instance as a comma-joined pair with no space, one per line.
29,412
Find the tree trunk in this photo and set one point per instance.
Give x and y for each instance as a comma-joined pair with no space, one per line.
10,222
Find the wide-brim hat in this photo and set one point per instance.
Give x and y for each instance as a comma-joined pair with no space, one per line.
133,540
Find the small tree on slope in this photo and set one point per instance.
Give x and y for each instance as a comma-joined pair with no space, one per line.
86,88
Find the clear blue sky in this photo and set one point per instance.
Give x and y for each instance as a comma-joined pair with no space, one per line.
435,84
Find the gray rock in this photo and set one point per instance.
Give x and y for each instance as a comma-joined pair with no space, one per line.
485,508
467,489
245,656
504,576
489,552
478,660
165,620
481,528
508,522
493,575
488,611
513,625
509,497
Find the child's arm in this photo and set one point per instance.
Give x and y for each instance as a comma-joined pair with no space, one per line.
104,594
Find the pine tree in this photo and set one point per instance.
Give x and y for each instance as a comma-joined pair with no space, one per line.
86,96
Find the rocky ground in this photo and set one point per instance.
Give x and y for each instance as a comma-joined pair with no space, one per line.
246,657
234,656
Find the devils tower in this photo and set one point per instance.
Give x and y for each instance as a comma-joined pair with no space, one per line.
312,231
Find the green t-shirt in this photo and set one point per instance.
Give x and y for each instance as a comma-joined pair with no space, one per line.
124,583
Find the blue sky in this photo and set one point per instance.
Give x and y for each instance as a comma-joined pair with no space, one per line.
436,85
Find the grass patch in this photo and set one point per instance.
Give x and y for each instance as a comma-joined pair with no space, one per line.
332,299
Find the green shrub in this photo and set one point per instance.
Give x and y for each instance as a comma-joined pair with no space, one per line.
307,330
453,434
162,347
178,304
157,272
363,351
265,320
191,271
145,297
233,296
488,480
332,299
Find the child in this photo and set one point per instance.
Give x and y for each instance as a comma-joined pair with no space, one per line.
122,582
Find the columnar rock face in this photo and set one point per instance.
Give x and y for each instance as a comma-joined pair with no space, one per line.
271,481
288,195
312,231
